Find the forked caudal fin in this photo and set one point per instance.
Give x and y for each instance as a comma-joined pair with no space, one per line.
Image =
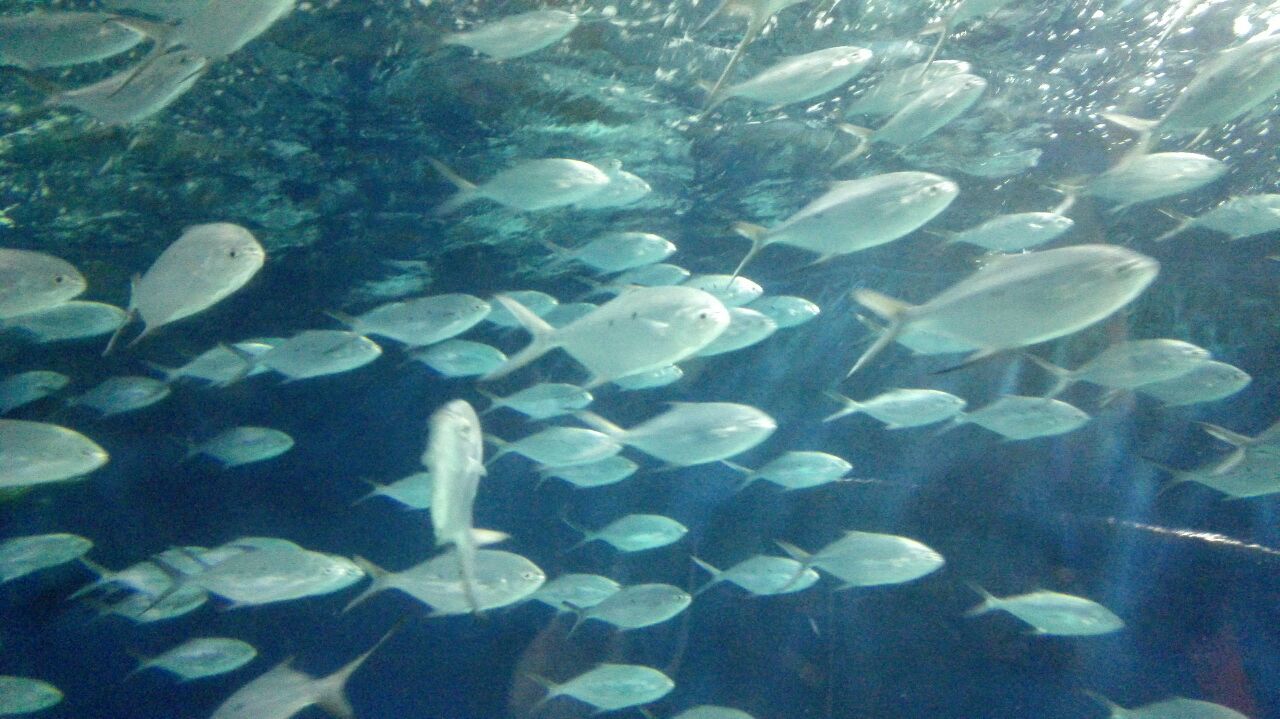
466,189
333,697
1063,378
598,423
989,600
894,311
848,407
543,341
759,238
863,135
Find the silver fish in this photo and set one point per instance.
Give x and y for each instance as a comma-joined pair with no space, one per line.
529,186
1052,612
692,433
136,94
27,387
57,39
33,281
36,453
516,35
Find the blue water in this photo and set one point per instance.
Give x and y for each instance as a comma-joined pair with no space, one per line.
361,89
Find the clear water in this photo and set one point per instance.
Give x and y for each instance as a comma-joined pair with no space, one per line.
316,136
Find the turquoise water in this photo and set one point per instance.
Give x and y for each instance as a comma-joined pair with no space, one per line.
317,135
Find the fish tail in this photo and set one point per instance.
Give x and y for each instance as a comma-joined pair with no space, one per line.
850,406
598,423
989,600
759,238
863,136
466,189
543,341
716,575
890,309
1063,377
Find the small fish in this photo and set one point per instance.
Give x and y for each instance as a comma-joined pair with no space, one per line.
135,94
1206,382
314,353
610,687
692,433
1237,218
641,330
576,590
1143,178
543,400
33,281
20,695
1020,300
221,365
897,89
1015,232
455,459
559,446
500,579
1268,441
20,556
746,328
1129,365
460,358
941,102
516,35
421,321
901,408
1172,708
202,267
244,445
57,39
659,275
71,320
624,188
757,13
634,533
762,575
267,575
855,215
660,377
1239,476
36,453
27,387
284,692
796,469
799,77
217,28
867,559
731,290
117,395
709,711
201,657
636,606
529,186
1017,418
599,473
617,251
413,491
1052,613
785,310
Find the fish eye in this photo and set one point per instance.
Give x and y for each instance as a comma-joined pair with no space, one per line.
233,253
59,279
702,315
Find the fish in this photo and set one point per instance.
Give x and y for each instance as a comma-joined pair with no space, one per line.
1129,365
785,310
117,395
201,657
136,94
898,88
501,579
651,379
961,12
1268,441
1017,417
259,576
313,353
599,473
641,330
1239,476
34,281
795,469
217,28
709,711
746,328
798,78
454,457
1237,218
731,290
205,265
761,575
528,186
71,320
20,556
662,274
1020,300
541,401
1171,708
624,188
633,533
238,446
902,408
460,358
575,590
616,251
284,691
420,321
1147,177
539,303
22,695
941,102
559,446
610,687
692,433
26,387
855,215
221,365
57,39
1206,382
1015,232
516,35
37,453
413,491
868,559
1052,613
757,14
636,606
